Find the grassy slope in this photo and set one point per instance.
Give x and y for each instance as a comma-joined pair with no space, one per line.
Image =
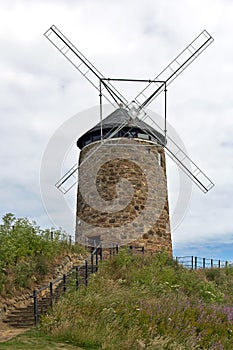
137,302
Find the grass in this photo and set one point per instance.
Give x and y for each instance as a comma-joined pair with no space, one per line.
33,340
140,302
137,302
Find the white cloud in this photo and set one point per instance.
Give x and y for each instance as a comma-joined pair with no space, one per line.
39,90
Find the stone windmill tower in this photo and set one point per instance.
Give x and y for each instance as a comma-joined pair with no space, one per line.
137,157
122,186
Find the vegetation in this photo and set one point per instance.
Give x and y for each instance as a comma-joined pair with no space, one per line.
27,253
33,340
139,302
132,302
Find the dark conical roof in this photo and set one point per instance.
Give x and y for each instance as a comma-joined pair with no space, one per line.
116,119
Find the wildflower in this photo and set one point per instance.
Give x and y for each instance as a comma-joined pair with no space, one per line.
175,286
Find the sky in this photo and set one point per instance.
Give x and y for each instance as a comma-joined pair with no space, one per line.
43,98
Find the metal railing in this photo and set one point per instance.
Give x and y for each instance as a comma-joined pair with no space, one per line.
44,298
195,262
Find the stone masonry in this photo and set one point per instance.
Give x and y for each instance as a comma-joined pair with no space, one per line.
122,194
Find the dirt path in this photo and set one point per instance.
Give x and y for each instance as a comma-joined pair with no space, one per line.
7,332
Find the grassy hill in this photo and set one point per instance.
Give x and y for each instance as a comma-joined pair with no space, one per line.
141,302
132,302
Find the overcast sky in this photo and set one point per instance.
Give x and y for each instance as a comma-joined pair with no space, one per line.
40,92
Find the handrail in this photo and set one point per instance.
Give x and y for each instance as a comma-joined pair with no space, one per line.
75,269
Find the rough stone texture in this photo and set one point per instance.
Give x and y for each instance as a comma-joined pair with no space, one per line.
122,195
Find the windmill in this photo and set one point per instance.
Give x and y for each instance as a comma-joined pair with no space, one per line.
129,126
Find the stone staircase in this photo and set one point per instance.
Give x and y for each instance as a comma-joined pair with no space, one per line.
23,317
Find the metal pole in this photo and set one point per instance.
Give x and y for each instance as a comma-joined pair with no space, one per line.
101,112
35,307
92,263
192,262
195,262
203,263
64,283
96,260
51,293
101,253
211,263
86,273
165,114
76,277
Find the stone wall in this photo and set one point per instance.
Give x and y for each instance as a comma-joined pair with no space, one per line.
122,194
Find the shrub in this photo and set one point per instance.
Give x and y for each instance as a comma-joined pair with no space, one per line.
27,252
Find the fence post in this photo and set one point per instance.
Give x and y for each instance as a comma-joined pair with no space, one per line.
76,277
203,263
101,253
51,293
226,264
117,249
192,262
86,272
219,264
64,282
35,307
143,250
195,262
92,263
211,263
96,261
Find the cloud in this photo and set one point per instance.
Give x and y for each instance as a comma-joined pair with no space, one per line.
39,90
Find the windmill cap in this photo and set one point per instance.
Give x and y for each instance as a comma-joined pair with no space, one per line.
113,121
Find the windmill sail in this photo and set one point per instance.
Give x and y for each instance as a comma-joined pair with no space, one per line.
174,69
147,124
179,156
83,65
70,178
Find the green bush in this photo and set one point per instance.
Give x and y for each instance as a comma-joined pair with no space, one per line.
27,252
